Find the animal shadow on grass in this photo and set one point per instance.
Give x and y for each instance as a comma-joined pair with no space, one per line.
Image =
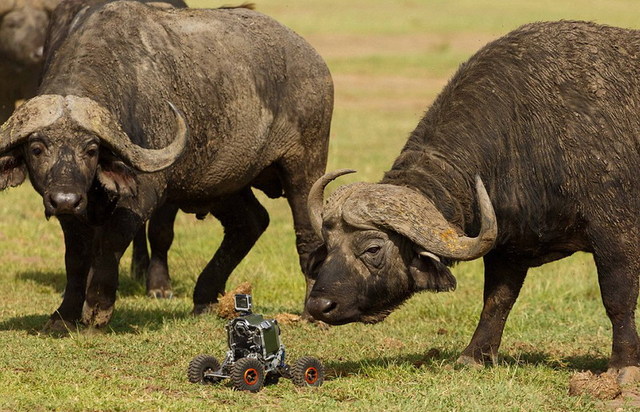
593,363
128,320
125,320
435,359
55,280
32,324
58,280
432,359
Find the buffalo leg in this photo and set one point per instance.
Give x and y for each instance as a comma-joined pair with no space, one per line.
502,284
109,243
297,184
77,239
244,220
160,239
140,255
618,271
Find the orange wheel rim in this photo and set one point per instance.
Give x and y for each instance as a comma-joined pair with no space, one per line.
311,375
251,376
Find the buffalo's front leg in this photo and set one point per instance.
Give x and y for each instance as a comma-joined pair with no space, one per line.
244,220
77,238
110,242
503,280
298,176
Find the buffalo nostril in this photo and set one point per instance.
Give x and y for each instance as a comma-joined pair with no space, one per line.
317,306
65,202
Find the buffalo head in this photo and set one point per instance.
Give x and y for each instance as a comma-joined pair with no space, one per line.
23,28
382,243
67,143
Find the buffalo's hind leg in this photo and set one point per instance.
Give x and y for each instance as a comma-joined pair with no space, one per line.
244,220
155,270
502,284
160,239
140,255
618,268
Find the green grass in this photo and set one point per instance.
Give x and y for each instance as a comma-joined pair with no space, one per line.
389,60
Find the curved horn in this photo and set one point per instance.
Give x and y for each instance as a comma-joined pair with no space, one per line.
316,198
96,119
50,5
411,214
34,114
6,6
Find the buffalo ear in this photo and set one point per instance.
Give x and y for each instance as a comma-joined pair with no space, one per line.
117,177
13,171
429,273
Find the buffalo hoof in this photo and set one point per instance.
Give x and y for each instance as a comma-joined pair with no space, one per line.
469,361
204,309
626,375
59,327
160,293
94,316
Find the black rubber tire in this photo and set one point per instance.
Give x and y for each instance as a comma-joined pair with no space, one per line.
201,364
247,374
307,371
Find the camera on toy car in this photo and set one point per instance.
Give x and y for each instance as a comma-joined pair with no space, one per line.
243,303
255,355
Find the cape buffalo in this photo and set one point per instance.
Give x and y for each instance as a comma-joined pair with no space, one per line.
23,26
23,30
156,271
141,106
546,119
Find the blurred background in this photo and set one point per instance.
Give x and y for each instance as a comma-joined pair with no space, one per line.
389,60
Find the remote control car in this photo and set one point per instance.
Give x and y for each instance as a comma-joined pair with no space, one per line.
255,357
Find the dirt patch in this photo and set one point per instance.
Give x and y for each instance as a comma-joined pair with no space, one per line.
288,318
226,303
602,386
386,92
392,343
341,45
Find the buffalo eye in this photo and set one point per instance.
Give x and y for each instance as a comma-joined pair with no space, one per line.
92,151
11,23
373,250
372,255
36,148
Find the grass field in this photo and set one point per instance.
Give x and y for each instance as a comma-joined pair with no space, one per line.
389,59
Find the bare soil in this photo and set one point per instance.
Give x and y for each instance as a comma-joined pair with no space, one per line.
358,45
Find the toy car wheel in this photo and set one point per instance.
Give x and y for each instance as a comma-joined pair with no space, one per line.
247,374
200,366
308,371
